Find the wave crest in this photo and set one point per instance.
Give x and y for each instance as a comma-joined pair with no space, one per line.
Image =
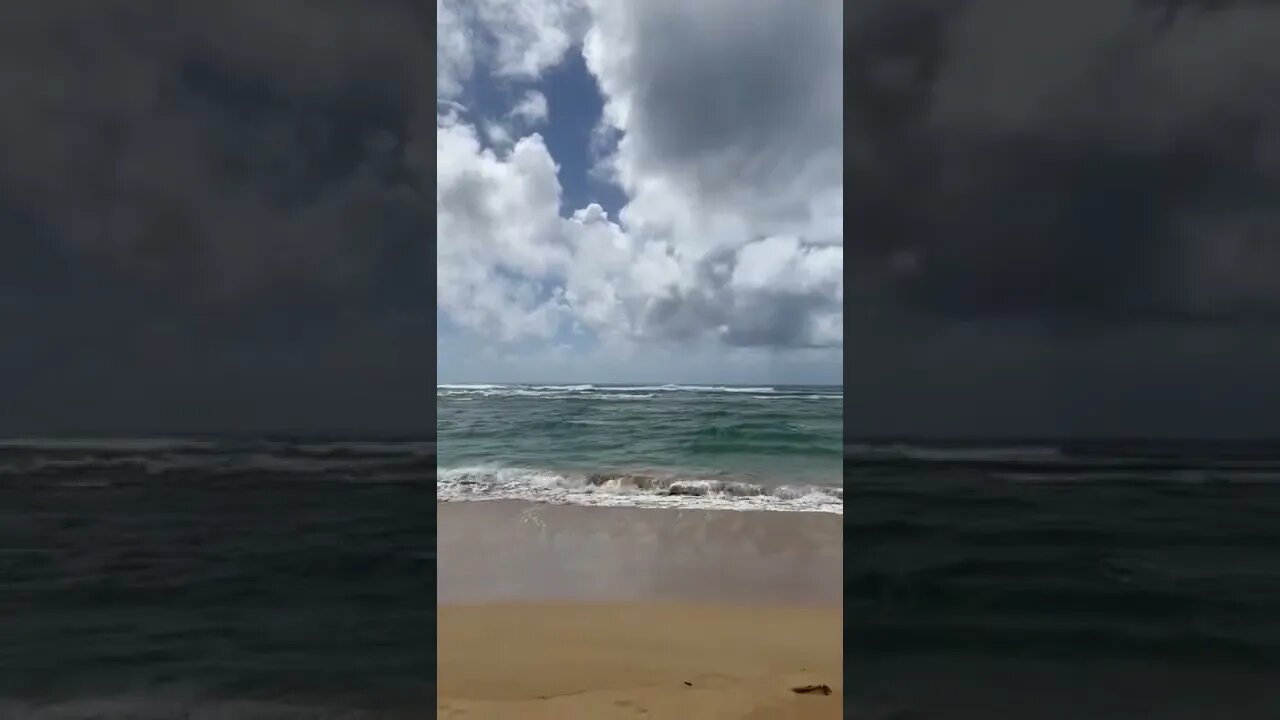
633,489
624,392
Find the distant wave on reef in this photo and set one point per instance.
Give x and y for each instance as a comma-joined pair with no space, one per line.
627,392
1078,461
104,461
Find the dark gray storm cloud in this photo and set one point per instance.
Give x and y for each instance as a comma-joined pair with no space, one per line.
785,312
214,216
737,98
1064,217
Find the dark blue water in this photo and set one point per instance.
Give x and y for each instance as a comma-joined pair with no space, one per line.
1160,555
208,570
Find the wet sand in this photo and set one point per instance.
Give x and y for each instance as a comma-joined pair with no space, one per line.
570,612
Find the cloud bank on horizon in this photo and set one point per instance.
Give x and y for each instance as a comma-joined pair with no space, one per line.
718,124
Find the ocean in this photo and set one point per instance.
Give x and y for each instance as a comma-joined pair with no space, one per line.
674,446
168,577
1087,574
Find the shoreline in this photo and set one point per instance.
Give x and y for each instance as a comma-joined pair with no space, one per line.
606,612
645,488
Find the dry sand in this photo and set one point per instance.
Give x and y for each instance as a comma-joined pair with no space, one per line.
597,613
619,660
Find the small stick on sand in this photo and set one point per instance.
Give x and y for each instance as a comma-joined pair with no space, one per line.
825,690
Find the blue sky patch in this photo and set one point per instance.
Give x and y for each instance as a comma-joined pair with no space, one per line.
574,107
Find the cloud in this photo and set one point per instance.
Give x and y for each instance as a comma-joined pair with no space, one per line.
510,38
206,201
735,106
1107,162
722,127
454,48
532,108
473,359
1062,218
500,233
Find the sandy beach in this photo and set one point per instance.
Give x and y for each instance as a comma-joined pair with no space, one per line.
571,612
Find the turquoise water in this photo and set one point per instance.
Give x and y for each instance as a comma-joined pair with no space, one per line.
670,445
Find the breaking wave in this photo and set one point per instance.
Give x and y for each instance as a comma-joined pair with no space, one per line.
629,392
652,489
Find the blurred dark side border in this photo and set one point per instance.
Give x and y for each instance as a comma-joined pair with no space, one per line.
1061,461
216,224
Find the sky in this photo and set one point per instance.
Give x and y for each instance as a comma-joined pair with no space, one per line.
639,191
1063,218
215,217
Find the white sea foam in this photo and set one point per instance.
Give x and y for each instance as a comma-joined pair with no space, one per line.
621,392
702,388
637,489
102,444
826,396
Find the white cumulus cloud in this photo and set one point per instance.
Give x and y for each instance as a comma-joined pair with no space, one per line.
722,126
532,108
